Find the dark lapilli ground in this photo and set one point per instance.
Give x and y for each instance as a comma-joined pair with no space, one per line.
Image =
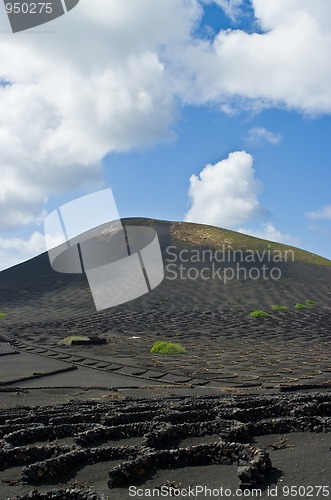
161,424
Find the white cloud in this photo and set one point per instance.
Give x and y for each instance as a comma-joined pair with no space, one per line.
110,77
322,213
15,250
272,13
287,65
268,231
96,85
258,134
225,194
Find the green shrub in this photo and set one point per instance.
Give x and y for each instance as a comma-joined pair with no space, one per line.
278,308
3,315
300,306
259,314
310,302
167,348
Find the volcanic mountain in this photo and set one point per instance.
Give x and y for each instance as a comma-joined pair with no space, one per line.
206,268
82,400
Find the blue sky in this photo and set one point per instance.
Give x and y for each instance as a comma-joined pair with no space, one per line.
208,111
295,173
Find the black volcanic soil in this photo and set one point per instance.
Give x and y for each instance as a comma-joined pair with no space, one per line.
102,449
223,350
235,368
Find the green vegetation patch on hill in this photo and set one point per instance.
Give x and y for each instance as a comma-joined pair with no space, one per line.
259,314
167,348
197,235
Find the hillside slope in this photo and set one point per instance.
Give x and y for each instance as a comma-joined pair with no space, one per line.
205,268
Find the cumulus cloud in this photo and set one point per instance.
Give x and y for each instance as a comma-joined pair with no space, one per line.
260,134
96,85
111,78
322,213
268,231
225,194
15,250
286,65
53,135
275,12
